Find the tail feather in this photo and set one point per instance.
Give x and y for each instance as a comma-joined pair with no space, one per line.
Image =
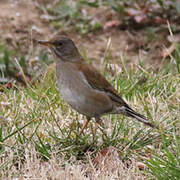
130,112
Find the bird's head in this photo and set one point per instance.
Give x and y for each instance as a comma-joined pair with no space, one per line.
63,49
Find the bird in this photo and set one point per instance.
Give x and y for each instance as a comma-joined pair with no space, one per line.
83,87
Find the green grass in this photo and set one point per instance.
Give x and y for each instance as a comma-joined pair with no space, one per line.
36,119
70,14
75,15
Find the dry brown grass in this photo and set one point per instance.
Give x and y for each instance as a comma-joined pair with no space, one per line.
32,167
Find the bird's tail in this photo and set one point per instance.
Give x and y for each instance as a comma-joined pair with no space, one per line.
130,112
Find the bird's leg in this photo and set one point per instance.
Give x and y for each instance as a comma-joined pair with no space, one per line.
85,125
99,121
98,124
101,126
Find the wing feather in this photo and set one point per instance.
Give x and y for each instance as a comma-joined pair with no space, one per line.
98,81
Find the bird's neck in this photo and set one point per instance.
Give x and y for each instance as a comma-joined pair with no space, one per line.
78,59
63,64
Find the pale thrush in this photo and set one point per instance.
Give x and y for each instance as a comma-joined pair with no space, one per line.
83,87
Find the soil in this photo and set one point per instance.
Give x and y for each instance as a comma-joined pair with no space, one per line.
21,21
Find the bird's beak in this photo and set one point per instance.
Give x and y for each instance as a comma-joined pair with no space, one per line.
46,43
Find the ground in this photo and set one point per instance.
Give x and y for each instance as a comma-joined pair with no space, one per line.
39,132
21,21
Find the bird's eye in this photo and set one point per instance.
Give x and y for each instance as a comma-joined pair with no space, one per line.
60,43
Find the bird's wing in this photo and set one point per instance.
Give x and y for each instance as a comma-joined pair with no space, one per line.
98,81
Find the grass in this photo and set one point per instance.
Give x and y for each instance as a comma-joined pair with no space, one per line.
39,132
68,14
75,15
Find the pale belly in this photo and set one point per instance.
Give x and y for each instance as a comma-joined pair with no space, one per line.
83,98
72,97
